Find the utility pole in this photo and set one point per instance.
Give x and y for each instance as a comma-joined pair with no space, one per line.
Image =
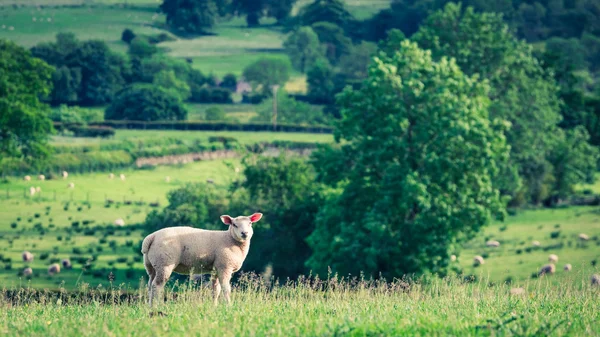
275,89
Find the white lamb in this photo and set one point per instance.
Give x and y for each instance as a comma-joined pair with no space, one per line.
41,177
32,191
27,178
120,222
553,258
111,176
71,185
583,237
65,174
478,260
122,176
185,250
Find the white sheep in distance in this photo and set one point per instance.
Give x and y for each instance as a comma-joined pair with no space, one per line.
32,191
452,258
492,243
111,176
185,249
547,269
553,258
535,243
583,237
27,272
167,179
27,178
120,222
41,177
567,267
54,269
66,263
38,189
478,260
517,291
71,185
65,174
27,256
122,176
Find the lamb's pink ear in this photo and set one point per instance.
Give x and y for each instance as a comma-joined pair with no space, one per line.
226,219
255,217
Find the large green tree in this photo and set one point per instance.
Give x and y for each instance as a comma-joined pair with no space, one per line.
522,92
264,73
145,102
24,121
192,16
418,168
303,48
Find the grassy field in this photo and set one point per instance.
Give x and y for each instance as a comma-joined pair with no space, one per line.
437,308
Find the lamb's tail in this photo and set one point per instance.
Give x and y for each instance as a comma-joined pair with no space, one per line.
147,243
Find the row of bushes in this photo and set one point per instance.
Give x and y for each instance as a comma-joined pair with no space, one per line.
212,126
83,159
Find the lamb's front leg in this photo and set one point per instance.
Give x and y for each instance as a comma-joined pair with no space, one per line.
216,286
224,279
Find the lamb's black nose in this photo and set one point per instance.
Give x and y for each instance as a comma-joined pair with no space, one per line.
244,234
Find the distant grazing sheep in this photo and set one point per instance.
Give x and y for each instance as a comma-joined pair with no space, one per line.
583,237
66,263
65,174
32,190
186,249
27,271
111,176
122,176
452,258
552,258
27,178
167,179
547,269
71,185
492,243
119,222
27,256
478,260
517,291
568,267
596,280
38,189
41,177
535,243
54,269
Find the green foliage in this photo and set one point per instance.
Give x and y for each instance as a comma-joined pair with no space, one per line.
75,115
354,64
303,48
88,69
190,16
144,102
229,82
283,189
290,111
424,158
195,205
166,79
267,72
522,92
320,83
207,94
333,38
141,48
93,131
24,122
333,11
127,36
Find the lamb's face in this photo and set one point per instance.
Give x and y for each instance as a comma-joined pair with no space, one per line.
241,227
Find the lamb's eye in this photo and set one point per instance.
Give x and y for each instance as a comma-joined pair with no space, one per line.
234,225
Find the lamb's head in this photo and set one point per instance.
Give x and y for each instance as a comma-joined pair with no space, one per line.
241,226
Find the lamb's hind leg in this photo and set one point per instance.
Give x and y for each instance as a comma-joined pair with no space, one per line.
151,274
161,277
216,287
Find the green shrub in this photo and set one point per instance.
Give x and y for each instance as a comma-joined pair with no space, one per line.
145,102
93,131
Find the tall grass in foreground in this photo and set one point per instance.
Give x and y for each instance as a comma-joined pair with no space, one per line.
312,307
